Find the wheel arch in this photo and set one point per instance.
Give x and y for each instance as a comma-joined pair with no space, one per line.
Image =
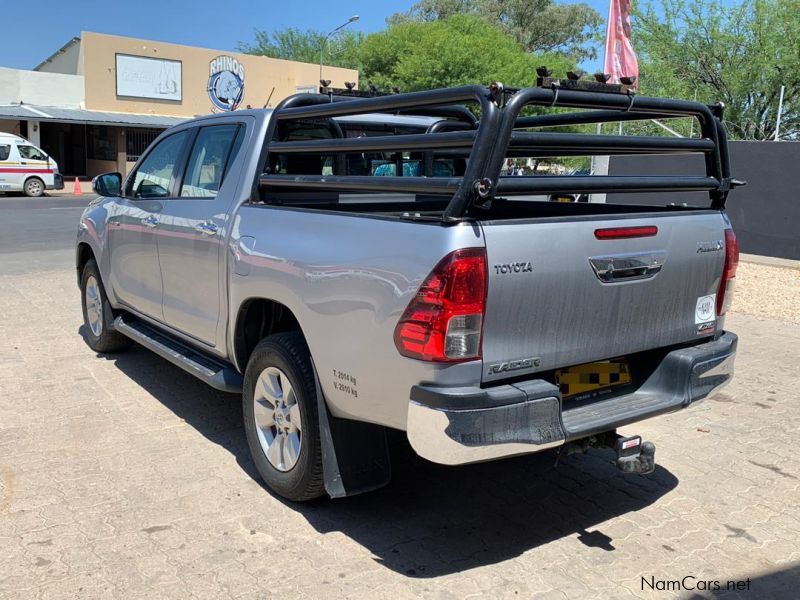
83,254
256,319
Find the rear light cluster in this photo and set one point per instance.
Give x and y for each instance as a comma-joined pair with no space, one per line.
726,284
443,322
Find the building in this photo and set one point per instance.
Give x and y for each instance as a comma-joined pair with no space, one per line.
96,104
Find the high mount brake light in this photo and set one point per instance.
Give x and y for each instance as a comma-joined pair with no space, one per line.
622,233
443,322
726,284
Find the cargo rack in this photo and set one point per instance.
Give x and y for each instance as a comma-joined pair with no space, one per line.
486,141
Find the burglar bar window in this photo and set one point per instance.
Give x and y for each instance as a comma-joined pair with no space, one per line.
101,142
137,140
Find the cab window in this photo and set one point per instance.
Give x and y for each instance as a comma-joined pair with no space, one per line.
156,172
31,153
5,151
213,151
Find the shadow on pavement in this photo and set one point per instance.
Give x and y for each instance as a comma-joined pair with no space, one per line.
433,520
781,584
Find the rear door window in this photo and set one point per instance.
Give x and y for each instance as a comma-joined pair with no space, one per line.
211,154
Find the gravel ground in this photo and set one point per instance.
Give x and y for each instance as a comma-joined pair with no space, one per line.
767,292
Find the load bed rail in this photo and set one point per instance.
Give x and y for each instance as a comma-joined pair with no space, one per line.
486,142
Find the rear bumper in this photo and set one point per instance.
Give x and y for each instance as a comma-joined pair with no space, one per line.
458,425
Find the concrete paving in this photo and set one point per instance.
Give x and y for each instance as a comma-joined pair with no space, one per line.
123,477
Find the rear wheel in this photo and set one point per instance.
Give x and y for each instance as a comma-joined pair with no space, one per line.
98,317
34,187
280,417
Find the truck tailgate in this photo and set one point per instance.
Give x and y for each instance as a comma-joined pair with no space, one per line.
559,296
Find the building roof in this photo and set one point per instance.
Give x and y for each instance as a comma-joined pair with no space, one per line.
64,48
32,112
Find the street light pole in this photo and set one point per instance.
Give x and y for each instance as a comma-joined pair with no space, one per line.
352,19
780,110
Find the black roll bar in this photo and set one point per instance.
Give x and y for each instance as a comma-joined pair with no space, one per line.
485,143
598,100
434,102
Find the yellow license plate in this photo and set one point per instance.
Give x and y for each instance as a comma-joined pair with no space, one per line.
592,376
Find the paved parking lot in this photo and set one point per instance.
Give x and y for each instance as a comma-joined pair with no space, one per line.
124,477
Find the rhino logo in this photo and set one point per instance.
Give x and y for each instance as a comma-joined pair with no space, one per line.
226,82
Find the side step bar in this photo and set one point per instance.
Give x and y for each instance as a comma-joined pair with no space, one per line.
214,372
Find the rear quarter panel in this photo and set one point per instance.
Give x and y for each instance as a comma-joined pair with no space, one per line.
347,279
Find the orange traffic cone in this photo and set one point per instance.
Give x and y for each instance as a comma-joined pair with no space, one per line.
77,191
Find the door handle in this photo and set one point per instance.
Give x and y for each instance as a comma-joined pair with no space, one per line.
206,227
628,267
150,221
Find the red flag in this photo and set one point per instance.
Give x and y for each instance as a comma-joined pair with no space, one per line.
620,57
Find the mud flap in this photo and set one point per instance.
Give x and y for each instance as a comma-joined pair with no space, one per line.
355,455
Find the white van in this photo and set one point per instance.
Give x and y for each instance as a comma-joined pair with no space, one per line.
26,168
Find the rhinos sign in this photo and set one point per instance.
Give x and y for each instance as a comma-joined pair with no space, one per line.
226,82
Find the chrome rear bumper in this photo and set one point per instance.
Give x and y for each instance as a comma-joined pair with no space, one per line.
458,425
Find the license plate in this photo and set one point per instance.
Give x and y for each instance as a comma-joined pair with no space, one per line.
590,377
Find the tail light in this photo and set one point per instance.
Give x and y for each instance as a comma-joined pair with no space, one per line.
725,292
443,322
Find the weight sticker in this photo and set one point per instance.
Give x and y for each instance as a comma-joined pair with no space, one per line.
705,310
344,382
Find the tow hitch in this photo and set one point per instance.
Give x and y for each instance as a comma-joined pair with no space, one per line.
633,455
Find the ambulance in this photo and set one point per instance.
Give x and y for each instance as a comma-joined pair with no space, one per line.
26,168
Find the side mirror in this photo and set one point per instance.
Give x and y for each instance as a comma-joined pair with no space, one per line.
108,184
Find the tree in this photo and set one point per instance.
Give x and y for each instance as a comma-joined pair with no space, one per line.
342,50
456,50
538,25
740,55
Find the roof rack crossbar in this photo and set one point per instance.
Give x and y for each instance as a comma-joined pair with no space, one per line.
582,144
591,144
391,104
393,143
549,184
364,183
589,118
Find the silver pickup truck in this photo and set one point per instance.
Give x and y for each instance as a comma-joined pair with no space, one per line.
351,264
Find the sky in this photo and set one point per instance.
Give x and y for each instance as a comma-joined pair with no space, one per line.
205,23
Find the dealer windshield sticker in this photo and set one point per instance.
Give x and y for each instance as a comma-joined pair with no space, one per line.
705,309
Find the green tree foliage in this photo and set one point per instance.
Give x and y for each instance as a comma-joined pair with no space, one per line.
740,55
457,50
540,26
341,50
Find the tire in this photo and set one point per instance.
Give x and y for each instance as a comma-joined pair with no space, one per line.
98,317
34,187
273,432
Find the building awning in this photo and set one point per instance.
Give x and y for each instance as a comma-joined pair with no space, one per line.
32,112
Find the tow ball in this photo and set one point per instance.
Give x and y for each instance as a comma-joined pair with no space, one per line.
633,455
